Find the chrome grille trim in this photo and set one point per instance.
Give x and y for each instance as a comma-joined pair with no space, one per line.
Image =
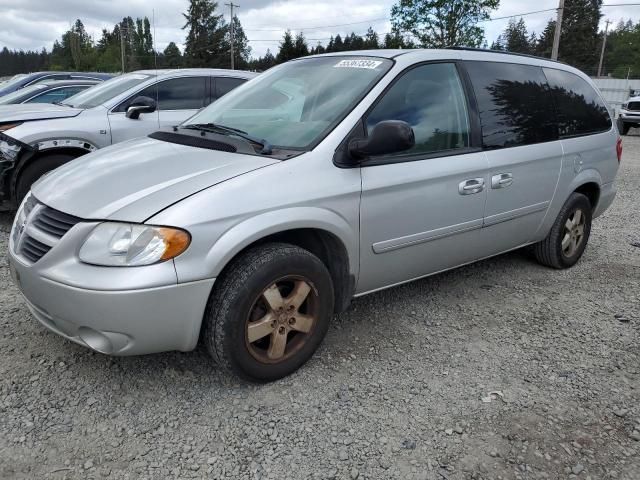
40,230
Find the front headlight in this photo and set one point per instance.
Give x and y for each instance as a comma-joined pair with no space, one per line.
131,245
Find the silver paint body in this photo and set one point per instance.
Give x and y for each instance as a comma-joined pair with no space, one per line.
100,126
397,222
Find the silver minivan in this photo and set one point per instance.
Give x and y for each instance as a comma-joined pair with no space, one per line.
326,178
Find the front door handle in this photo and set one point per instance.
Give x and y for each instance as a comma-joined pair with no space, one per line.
471,186
501,180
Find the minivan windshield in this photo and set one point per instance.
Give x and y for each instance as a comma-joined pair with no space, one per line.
102,92
294,105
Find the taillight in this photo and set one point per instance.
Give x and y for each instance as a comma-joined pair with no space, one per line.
619,149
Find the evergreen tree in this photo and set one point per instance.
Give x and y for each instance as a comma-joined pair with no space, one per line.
204,45
287,48
544,46
371,40
579,40
172,58
300,46
516,37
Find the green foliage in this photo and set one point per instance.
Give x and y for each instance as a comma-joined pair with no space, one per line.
205,34
443,23
516,37
622,56
579,40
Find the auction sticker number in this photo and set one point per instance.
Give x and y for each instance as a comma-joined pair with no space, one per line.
369,64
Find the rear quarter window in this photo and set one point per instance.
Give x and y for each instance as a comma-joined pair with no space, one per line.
514,103
580,109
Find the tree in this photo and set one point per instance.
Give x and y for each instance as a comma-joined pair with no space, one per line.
241,48
287,48
579,40
371,40
300,46
204,45
544,44
516,37
171,57
443,23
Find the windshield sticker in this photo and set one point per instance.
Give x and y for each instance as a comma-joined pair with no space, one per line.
368,64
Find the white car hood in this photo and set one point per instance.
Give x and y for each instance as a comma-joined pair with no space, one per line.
35,111
134,180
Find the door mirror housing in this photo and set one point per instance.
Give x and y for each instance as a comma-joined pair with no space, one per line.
140,105
388,136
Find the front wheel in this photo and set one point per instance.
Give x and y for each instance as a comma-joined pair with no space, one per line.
569,234
268,312
623,127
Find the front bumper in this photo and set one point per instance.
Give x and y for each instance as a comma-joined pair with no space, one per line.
629,116
117,311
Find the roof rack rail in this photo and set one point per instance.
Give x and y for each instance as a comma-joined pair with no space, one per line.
488,50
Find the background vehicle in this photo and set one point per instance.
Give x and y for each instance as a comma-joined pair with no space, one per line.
629,115
47,92
35,139
18,82
365,171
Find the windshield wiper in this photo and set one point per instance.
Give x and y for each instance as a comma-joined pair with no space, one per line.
63,104
267,149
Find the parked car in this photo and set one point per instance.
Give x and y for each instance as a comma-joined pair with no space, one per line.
22,81
629,115
325,178
47,92
35,139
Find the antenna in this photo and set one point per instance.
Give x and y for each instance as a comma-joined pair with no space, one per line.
155,61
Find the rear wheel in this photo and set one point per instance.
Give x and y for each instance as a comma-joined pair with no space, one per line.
269,312
569,234
36,169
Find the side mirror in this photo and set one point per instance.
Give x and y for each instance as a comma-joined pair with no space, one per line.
388,136
140,105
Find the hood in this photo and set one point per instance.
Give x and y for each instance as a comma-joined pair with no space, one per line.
134,180
35,111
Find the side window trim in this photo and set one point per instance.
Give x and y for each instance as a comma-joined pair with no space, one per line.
475,135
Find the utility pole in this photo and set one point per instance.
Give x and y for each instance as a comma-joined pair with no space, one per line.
231,7
122,45
556,36
604,45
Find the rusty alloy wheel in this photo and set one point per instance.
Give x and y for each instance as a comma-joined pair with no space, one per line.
573,233
281,319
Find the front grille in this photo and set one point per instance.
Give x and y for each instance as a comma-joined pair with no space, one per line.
634,106
53,222
39,228
32,249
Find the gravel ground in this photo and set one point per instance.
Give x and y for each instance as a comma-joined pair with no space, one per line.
399,389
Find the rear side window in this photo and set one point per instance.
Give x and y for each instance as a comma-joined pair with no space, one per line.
580,109
431,99
178,93
514,102
225,84
56,95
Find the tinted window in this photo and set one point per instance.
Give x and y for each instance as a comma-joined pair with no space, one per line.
225,84
580,108
430,98
514,102
56,95
178,93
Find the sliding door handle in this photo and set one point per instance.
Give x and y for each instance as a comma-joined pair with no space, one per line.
501,180
471,186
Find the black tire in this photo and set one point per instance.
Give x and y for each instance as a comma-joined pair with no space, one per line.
549,251
623,127
36,169
233,302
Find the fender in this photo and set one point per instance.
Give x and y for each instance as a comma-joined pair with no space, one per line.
250,230
589,175
54,143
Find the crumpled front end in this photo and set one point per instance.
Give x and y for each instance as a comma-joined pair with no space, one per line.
11,150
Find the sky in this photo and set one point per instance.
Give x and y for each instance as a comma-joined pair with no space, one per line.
33,24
